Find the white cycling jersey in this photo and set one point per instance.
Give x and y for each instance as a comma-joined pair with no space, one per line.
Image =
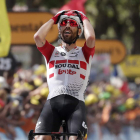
67,72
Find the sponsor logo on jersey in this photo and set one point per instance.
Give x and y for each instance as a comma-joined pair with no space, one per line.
63,54
84,125
68,71
74,54
75,66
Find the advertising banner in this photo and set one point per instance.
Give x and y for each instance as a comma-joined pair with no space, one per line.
25,24
7,63
131,66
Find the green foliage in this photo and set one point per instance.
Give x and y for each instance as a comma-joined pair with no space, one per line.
21,2
54,3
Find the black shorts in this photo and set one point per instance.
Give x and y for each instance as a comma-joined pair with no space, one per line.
62,107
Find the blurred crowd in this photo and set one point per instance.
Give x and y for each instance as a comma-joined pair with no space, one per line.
113,109
113,105
22,96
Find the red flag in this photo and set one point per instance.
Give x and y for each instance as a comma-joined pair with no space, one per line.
74,5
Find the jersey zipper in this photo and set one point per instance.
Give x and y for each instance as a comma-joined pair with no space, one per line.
66,75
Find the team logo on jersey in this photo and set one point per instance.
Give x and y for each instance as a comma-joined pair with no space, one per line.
63,54
57,54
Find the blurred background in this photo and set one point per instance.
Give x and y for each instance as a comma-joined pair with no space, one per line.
113,94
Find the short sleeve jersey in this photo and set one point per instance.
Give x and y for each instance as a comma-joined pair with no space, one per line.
67,72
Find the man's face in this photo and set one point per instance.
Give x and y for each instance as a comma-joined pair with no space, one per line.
68,33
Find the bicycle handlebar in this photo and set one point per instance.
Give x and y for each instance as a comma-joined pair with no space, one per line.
54,134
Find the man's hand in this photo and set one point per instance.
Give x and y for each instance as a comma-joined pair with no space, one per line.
82,15
57,16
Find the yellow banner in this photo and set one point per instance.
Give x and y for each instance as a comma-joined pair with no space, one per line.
25,24
5,33
131,66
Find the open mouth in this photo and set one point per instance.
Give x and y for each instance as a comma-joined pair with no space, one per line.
67,32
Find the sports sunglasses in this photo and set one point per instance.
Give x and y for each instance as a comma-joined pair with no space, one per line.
72,22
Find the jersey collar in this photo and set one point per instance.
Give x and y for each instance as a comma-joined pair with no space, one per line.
70,50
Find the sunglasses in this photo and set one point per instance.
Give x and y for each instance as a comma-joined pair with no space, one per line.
72,22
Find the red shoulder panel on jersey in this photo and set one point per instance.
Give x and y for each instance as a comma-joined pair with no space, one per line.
47,50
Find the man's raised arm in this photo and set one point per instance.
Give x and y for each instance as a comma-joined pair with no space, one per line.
88,31
41,34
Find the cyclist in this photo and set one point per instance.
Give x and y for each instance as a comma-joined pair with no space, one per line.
68,68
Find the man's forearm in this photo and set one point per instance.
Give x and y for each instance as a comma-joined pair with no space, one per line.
89,34
41,34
